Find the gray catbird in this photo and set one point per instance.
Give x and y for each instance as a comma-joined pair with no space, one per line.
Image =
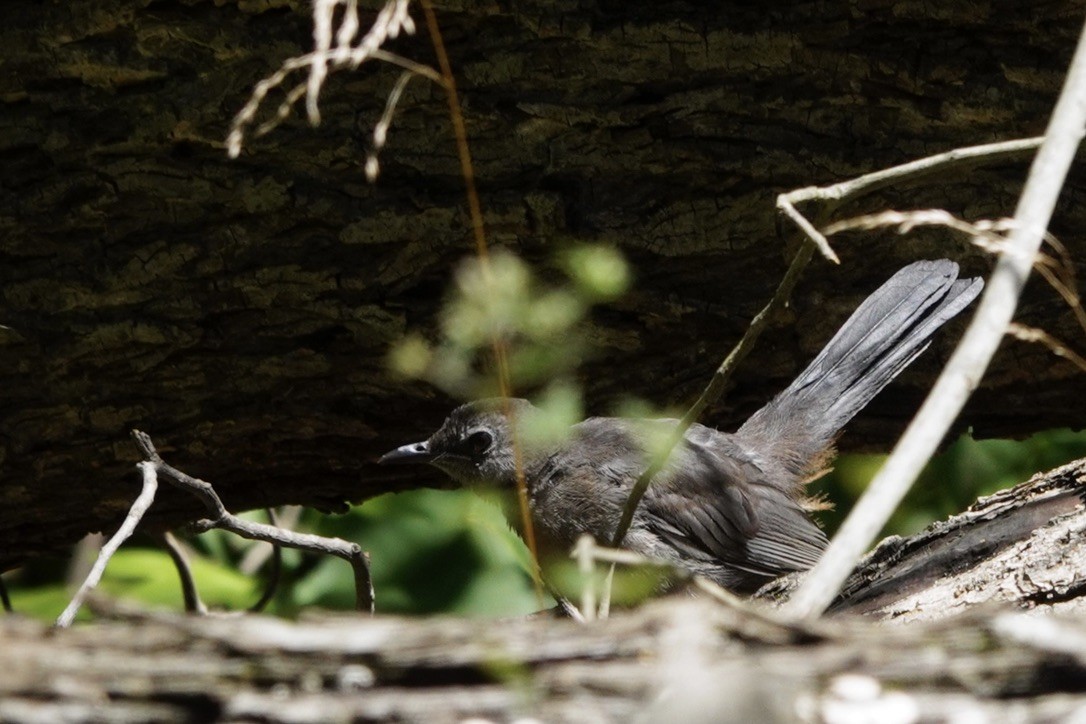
727,506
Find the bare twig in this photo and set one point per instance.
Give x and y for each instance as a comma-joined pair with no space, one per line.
785,205
970,359
255,557
605,593
380,129
345,48
274,572
586,565
467,171
221,518
135,515
713,390
991,235
1026,333
838,193
191,595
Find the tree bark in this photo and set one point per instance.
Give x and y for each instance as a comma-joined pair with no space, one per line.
677,661
1021,546
241,311
987,611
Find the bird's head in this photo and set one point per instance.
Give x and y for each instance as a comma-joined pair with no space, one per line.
474,445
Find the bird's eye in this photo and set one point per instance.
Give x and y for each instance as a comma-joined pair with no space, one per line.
479,442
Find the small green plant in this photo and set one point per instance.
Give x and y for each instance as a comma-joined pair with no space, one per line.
499,303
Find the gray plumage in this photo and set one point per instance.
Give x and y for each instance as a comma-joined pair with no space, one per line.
727,506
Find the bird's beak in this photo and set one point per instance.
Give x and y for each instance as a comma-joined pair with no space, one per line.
416,452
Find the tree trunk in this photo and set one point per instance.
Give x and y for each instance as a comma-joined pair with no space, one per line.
241,311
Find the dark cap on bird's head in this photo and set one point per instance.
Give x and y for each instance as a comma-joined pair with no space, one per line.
474,445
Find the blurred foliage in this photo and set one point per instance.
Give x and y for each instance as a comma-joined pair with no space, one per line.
142,574
500,301
431,551
953,480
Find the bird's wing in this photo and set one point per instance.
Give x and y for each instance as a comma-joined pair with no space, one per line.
716,502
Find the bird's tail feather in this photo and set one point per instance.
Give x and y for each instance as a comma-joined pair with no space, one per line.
881,338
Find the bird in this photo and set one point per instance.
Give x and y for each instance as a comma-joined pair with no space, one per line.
727,506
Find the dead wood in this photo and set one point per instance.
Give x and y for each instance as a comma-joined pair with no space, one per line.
983,605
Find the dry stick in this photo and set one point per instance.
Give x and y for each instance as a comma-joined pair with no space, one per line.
1025,333
713,389
390,21
135,515
1057,271
467,170
284,517
586,566
868,183
380,129
605,593
189,592
275,571
966,366
221,518
588,548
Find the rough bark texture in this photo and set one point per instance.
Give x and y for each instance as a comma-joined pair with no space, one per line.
678,660
1022,546
973,658
240,311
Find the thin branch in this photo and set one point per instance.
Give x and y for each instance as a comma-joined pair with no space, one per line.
785,204
275,571
838,193
586,565
408,65
969,361
380,129
713,390
135,515
605,593
990,235
1034,335
189,592
955,159
344,49
467,171
219,517
255,557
